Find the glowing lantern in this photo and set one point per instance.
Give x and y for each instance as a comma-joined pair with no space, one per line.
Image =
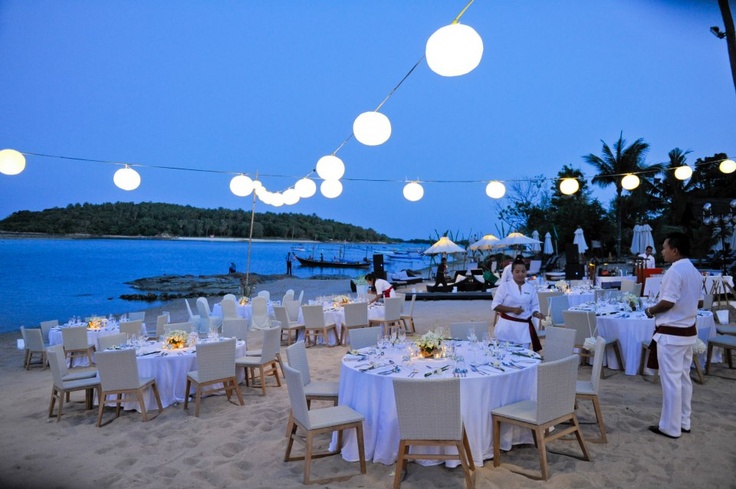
683,172
241,185
291,196
413,191
331,188
372,128
127,178
569,186
12,162
727,166
630,182
330,168
454,50
495,189
305,187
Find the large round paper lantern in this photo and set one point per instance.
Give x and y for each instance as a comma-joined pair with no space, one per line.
495,189
330,167
12,162
263,195
331,188
127,178
727,166
277,199
241,185
305,187
569,186
630,182
683,172
454,50
413,191
291,196
372,128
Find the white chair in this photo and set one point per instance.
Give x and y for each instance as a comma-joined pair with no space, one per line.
637,290
535,267
588,389
461,331
266,294
557,304
46,326
75,343
111,340
131,328
266,364
259,313
288,296
391,314
301,297
186,327
356,316
229,309
317,422
61,387
235,328
429,415
584,323
33,339
161,322
627,285
559,344
543,297
81,373
292,309
207,320
135,316
408,318
215,365
288,328
554,404
315,325
118,372
193,318
230,297
727,342
364,337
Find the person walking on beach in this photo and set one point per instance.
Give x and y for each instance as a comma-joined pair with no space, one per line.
675,334
288,263
441,275
380,286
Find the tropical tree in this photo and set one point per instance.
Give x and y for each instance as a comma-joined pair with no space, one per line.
612,165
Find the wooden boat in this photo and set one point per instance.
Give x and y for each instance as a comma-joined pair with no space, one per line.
311,262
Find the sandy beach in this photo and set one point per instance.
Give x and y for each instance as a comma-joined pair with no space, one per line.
233,446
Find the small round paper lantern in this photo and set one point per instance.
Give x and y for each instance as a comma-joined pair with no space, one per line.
330,167
495,189
264,195
331,188
12,162
413,191
454,50
569,186
630,182
305,187
241,185
127,178
372,128
727,166
291,196
277,199
683,172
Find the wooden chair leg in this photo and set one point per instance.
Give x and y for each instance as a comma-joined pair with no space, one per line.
707,359
698,368
400,463
542,448
599,419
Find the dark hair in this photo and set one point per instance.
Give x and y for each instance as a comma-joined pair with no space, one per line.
370,277
679,241
519,260
648,248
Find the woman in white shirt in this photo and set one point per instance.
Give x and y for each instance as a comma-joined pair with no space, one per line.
516,303
382,287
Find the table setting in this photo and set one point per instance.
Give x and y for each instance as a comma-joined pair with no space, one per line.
96,326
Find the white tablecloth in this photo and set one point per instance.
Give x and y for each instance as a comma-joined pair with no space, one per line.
372,395
55,338
631,331
337,315
244,311
577,298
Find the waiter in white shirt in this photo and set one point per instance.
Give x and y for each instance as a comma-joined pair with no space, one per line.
675,317
648,258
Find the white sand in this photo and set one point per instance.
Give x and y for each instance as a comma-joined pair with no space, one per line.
233,446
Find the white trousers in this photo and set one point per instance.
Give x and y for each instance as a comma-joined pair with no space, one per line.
677,388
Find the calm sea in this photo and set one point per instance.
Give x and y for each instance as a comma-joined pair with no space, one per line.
59,278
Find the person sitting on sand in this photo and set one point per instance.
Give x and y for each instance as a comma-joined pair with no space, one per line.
232,268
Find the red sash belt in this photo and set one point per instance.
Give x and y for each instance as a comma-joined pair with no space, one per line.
652,361
536,345
387,292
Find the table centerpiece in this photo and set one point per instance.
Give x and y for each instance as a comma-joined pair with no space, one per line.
176,339
429,344
96,322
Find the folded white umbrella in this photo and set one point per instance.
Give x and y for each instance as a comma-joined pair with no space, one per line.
548,248
636,241
580,241
536,247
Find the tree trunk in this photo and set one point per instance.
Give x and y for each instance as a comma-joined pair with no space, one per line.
730,36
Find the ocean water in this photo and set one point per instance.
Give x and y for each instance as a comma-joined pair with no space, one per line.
59,278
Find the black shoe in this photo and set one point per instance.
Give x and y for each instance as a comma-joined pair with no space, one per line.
685,431
655,429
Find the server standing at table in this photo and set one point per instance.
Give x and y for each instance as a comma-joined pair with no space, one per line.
675,334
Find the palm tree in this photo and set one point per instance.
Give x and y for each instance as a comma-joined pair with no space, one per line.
613,165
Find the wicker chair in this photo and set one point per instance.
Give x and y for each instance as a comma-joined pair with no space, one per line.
186,327
584,323
408,319
554,404
33,339
235,328
229,309
63,385
137,316
315,324
108,341
207,320
557,304
317,422
131,328
391,314
75,343
161,322
356,316
461,331
81,373
289,328
559,344
727,342
118,371
588,389
215,365
429,414
266,363
193,318
46,327
365,337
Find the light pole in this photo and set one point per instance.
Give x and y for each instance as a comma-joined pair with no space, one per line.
721,222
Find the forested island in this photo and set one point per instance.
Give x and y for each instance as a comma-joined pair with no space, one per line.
150,219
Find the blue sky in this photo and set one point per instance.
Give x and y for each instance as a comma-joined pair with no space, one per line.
242,86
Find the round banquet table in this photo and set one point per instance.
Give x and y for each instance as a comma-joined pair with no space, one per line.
244,311
55,338
336,314
371,394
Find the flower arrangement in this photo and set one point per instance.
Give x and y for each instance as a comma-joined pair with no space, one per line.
547,321
631,300
243,300
428,343
561,285
699,347
589,343
176,339
96,322
341,300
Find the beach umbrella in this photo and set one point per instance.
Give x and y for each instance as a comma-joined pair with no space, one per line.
580,241
636,241
516,239
485,243
536,247
645,237
444,245
548,248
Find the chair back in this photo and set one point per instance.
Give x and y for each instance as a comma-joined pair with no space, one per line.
229,296
461,331
131,328
583,322
266,294
235,328
259,313
356,314
295,384
161,322
34,339
301,297
23,334
707,302
392,308
364,337
429,410
637,290
135,316
193,318
216,360
400,295
229,309
411,307
271,344
296,355
314,316
598,353
627,285
292,309
557,304
108,341
74,338
57,362
556,386
186,327
47,325
543,296
560,343
117,369
288,296
203,308
281,316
